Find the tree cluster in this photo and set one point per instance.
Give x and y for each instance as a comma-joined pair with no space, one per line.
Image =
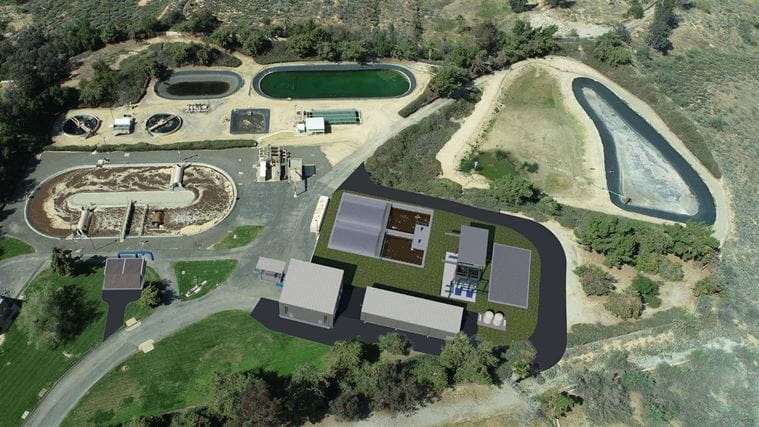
55,315
594,280
625,241
661,26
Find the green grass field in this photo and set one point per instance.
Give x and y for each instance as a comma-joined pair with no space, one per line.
427,280
25,370
493,167
240,236
213,272
11,247
179,372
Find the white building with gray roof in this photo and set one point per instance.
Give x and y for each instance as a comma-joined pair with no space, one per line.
310,293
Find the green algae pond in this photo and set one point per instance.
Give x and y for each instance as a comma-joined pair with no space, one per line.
310,82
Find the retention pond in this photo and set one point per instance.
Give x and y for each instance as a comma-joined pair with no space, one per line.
198,85
644,173
334,81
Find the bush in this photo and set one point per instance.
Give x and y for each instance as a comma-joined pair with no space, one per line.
709,285
63,263
594,280
447,80
647,289
624,305
611,49
555,404
635,10
428,370
151,295
348,406
669,270
420,101
511,190
468,362
394,343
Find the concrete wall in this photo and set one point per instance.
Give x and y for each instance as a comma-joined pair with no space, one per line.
409,327
325,320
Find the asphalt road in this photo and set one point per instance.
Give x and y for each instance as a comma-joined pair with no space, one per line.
285,236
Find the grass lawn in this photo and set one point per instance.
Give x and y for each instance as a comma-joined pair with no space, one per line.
179,372
25,370
493,167
535,127
238,237
213,272
365,271
11,247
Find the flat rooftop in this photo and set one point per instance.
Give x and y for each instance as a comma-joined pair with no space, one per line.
413,310
510,276
473,245
124,273
312,286
360,225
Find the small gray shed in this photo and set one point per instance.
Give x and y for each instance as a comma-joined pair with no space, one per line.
124,274
310,293
413,314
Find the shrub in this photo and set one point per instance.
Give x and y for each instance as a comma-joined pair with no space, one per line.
647,289
62,262
611,49
394,343
468,362
555,404
447,80
709,285
669,270
420,101
624,305
428,370
151,295
511,190
347,406
594,280
635,10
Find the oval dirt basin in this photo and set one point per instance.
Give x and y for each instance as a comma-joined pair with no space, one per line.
198,85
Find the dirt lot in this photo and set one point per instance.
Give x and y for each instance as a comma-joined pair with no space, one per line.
406,221
399,249
50,213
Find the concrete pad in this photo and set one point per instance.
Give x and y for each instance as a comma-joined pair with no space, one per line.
179,198
147,346
133,326
25,415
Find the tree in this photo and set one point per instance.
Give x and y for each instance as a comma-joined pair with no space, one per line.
257,406
394,390
594,280
354,50
151,295
511,190
709,285
669,270
328,52
624,305
54,315
661,27
555,3
486,36
202,22
62,262
468,362
556,404
345,357
306,395
255,42
611,49
447,80
226,37
428,370
647,289
524,41
347,406
694,241
519,6
195,417
227,388
635,10
520,370
393,343
611,236
605,397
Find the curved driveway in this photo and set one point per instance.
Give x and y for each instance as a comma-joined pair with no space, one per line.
286,237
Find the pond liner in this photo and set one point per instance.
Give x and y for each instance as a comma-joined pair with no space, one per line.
256,82
234,80
706,207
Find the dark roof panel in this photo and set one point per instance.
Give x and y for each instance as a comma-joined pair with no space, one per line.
360,225
473,245
124,273
510,276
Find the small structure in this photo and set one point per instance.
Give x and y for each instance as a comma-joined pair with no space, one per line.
348,116
272,270
310,293
177,176
249,120
85,219
318,218
413,314
360,225
272,161
315,125
9,308
124,274
510,276
123,125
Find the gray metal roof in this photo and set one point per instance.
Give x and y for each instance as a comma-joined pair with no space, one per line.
414,310
473,245
312,286
510,276
360,225
124,273
270,265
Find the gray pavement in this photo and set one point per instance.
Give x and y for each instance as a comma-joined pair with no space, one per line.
285,236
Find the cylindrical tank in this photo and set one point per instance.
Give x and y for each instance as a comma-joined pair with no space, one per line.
498,319
488,317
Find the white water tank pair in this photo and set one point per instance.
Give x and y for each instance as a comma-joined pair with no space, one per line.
492,318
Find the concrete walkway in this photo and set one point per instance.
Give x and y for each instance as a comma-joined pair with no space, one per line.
240,292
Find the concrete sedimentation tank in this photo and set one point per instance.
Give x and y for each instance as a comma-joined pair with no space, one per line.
82,125
163,124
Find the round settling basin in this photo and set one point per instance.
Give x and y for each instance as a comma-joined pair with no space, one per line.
198,85
163,124
331,81
80,125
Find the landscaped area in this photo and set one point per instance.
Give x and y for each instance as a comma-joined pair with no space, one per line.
25,370
202,276
425,281
240,236
11,247
179,372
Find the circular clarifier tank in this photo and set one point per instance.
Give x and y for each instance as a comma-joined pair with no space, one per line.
80,125
163,124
